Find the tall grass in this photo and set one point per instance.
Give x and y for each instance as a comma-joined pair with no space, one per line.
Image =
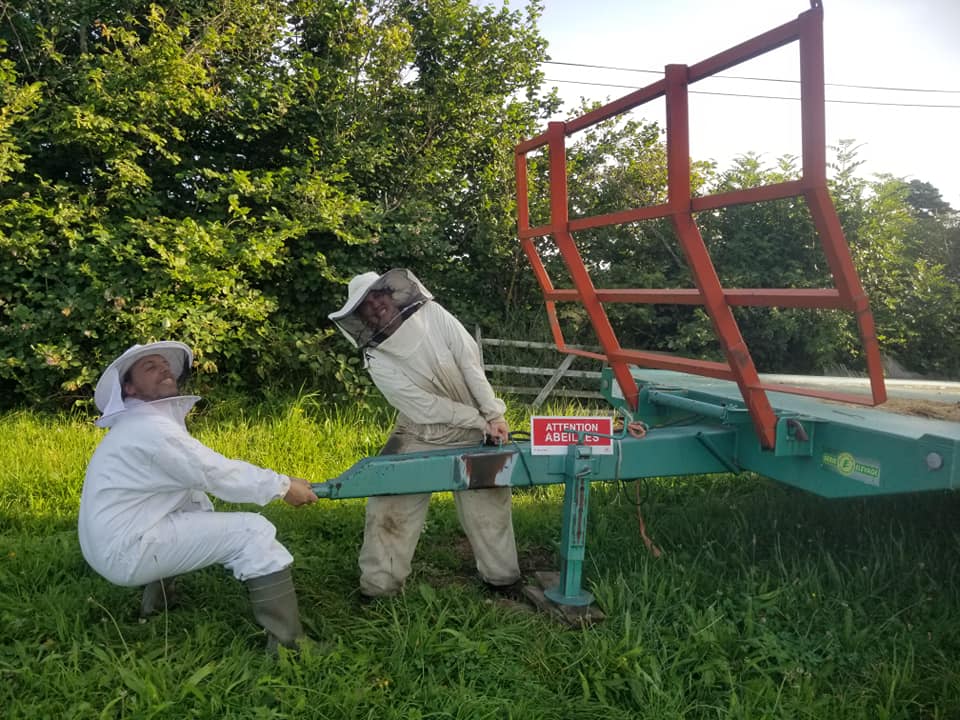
768,603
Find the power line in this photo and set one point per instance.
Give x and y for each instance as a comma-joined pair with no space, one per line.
762,97
761,79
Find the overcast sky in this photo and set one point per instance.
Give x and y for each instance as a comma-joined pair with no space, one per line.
880,43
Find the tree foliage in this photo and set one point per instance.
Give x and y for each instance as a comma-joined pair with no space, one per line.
216,171
902,254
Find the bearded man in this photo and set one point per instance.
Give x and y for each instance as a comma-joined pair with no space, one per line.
145,515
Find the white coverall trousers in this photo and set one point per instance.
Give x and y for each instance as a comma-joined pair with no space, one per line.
394,523
243,542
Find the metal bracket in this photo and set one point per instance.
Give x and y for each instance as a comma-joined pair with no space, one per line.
794,436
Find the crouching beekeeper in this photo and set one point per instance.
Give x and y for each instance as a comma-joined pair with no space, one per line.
428,367
145,516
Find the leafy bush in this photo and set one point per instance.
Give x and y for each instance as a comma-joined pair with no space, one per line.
216,175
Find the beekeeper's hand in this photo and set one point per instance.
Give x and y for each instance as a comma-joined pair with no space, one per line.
498,431
300,493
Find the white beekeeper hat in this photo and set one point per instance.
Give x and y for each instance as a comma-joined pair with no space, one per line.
406,290
108,394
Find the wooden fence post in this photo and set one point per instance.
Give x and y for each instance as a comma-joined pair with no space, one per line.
564,366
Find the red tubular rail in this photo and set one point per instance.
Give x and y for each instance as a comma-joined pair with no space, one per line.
739,367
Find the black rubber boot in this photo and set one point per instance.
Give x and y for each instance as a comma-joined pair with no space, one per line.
274,602
512,591
158,596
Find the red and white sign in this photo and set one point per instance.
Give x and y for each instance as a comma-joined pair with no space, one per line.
552,435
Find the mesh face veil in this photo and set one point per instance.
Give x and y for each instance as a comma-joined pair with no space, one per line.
399,288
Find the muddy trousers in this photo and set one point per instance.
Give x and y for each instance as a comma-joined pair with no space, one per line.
393,527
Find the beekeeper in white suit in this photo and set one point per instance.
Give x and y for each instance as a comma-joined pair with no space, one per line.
144,512
428,367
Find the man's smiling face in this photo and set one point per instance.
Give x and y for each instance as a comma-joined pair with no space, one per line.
378,311
150,378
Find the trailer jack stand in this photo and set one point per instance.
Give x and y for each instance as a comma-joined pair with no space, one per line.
562,594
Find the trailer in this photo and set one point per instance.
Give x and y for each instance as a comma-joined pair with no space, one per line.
686,416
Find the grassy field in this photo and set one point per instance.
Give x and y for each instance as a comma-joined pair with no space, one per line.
767,603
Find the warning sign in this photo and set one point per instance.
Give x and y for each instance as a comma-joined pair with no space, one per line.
552,435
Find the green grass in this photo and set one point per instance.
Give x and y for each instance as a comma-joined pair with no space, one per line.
768,603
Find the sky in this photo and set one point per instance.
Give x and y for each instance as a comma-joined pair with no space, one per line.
906,44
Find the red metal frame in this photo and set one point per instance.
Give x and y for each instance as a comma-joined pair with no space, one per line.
848,294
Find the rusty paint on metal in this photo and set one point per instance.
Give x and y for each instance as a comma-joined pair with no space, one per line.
487,470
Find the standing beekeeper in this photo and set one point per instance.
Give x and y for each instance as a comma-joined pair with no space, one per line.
428,367
144,512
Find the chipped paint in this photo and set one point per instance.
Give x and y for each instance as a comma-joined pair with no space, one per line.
486,470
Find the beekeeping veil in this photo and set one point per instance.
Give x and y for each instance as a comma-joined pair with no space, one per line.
108,395
406,291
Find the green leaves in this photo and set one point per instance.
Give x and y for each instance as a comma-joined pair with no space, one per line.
218,171
17,102
215,173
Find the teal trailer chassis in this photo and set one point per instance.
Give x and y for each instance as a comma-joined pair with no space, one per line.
696,426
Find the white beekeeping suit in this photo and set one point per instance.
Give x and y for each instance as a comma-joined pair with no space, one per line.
145,516
428,367
146,490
